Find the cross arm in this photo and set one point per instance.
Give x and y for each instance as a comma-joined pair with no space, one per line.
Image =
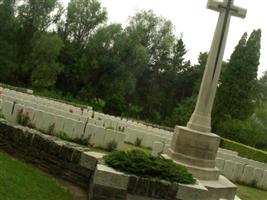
239,12
221,6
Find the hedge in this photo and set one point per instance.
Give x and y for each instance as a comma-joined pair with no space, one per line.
244,150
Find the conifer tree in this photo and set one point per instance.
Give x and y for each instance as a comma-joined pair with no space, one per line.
236,94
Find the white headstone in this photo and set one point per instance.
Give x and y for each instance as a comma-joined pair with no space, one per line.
157,148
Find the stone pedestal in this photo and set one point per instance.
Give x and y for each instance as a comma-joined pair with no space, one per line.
196,151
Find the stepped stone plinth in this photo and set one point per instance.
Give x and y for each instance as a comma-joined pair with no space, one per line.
196,151
194,146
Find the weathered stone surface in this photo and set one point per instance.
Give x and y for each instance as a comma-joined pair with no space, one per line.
88,161
152,188
55,156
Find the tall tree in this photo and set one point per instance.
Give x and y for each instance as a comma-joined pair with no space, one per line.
174,85
236,94
83,17
113,63
8,48
261,99
189,82
34,16
43,62
156,35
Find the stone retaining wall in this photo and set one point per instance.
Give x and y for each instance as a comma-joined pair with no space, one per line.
55,156
78,165
113,185
84,168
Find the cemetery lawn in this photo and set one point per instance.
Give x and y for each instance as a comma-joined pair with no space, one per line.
19,181
249,193
128,147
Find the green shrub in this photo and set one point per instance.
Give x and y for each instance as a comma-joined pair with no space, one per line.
249,132
138,142
79,141
182,112
62,135
51,129
244,150
111,146
1,115
141,164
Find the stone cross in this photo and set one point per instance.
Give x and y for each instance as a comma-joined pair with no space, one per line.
201,118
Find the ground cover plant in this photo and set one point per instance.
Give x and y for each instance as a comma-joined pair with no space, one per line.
23,182
141,164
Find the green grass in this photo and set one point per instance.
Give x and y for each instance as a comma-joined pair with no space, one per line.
19,181
128,147
249,193
244,150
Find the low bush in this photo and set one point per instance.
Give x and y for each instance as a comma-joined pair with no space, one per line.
111,146
244,150
249,132
141,164
1,115
138,142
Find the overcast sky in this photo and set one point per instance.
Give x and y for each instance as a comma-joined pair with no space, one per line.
195,22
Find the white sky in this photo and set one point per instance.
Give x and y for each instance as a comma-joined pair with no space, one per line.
195,22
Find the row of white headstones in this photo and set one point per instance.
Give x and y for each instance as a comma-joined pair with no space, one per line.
97,128
100,129
242,170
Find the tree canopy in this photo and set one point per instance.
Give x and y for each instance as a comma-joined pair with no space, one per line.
137,70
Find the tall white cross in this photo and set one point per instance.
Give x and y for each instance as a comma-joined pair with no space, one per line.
201,118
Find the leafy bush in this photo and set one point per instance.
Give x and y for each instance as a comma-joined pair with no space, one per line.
111,146
181,114
62,135
79,141
141,164
138,142
249,131
115,105
1,115
245,151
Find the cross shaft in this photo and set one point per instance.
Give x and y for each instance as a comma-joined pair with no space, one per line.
201,118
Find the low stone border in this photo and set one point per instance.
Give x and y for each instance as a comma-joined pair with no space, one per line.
110,184
60,158
85,168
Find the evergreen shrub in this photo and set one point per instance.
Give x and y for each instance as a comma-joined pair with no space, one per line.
139,163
